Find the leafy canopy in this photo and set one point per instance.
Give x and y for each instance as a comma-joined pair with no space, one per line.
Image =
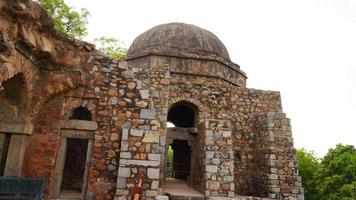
66,19
336,178
308,165
74,23
111,47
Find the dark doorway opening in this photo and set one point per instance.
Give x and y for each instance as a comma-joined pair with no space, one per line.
181,159
4,148
75,162
182,114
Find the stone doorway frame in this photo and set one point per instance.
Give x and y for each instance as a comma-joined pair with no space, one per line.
187,134
19,136
77,129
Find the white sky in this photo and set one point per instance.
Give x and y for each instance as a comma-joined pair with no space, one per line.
304,48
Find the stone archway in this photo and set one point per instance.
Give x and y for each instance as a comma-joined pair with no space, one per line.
182,138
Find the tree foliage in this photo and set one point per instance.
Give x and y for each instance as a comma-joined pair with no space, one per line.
336,178
333,178
308,166
74,23
111,47
66,19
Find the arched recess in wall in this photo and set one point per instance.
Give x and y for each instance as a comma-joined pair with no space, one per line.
13,107
183,114
81,113
13,98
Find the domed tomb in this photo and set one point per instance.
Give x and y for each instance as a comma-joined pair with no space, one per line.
185,48
178,39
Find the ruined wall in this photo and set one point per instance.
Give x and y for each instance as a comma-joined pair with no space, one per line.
59,74
244,143
240,107
220,101
279,162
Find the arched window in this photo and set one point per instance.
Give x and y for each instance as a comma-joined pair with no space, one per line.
14,89
183,114
81,113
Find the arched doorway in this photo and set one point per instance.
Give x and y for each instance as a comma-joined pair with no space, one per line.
74,155
181,139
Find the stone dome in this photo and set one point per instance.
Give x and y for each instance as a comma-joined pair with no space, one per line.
178,39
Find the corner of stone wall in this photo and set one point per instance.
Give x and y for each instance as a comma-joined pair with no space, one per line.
144,131
280,174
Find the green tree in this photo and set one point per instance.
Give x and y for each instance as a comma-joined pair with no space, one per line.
308,165
169,166
336,177
111,47
74,23
66,19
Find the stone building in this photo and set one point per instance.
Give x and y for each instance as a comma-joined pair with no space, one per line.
89,125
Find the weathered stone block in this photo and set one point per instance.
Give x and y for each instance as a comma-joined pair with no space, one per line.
226,134
154,184
121,183
125,154
151,137
124,172
153,173
211,168
273,176
144,94
154,156
136,132
148,113
209,154
212,185
160,197
228,179
125,133
124,145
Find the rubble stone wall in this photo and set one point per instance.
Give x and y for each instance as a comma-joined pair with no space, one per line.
279,161
243,144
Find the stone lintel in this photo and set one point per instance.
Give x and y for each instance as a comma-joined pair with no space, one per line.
20,128
145,163
79,124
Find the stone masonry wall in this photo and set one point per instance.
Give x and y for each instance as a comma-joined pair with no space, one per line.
217,99
280,166
40,157
244,141
144,132
104,100
219,159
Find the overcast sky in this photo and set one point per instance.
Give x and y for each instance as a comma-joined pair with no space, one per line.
304,48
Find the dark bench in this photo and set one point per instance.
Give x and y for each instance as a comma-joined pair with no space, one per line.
21,188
